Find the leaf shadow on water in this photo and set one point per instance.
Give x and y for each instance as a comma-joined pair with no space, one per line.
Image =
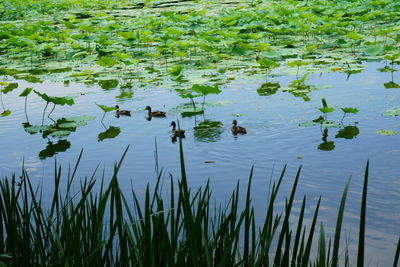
208,131
54,148
326,145
109,133
348,132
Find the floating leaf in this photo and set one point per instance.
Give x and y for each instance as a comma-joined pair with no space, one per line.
33,129
176,70
60,133
308,124
81,118
386,132
374,50
107,62
392,112
266,63
329,124
72,124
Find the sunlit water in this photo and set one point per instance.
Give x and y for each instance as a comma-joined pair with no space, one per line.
273,139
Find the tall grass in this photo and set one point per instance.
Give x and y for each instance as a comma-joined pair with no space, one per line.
101,228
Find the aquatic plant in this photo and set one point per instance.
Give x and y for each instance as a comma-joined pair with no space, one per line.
98,226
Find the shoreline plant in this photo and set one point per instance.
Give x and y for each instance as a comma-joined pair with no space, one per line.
183,226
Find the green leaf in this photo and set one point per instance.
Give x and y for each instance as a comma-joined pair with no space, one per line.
106,108
57,100
9,87
176,70
205,89
326,110
354,36
5,113
374,50
266,63
26,92
107,62
350,110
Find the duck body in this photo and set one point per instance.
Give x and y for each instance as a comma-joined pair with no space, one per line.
155,113
175,132
122,112
237,129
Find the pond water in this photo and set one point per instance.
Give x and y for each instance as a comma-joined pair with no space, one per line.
275,137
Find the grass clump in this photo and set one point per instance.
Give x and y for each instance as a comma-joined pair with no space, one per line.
101,228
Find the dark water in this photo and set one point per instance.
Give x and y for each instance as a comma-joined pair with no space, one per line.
273,139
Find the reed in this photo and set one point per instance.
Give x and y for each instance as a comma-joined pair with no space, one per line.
100,227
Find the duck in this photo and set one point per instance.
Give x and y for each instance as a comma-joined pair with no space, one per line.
122,112
156,113
175,132
237,129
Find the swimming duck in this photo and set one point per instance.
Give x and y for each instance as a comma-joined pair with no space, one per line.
156,113
177,133
237,129
122,112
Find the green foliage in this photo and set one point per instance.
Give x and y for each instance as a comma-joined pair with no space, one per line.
56,100
99,226
106,108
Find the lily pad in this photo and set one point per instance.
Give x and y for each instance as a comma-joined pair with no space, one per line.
392,112
308,124
33,129
72,124
329,124
81,118
386,132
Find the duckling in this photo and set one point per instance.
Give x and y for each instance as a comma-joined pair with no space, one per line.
177,133
237,129
156,113
122,112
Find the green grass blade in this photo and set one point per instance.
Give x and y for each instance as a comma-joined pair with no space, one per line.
335,253
361,236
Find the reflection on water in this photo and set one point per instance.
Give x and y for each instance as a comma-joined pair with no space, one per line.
271,114
52,149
